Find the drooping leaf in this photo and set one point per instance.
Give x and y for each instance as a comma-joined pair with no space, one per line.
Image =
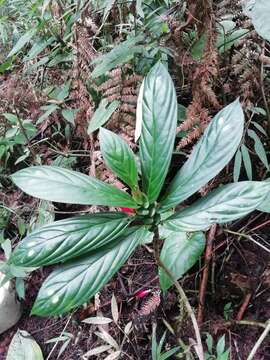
225,204
69,115
38,47
24,39
259,12
23,347
246,161
179,253
69,238
259,148
102,115
213,151
159,120
237,166
62,185
119,157
73,284
259,127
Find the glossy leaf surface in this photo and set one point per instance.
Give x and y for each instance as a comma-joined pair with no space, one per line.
213,151
119,157
66,239
222,205
159,118
179,253
73,284
61,185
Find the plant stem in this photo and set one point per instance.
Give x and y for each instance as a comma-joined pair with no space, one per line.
259,341
199,347
208,257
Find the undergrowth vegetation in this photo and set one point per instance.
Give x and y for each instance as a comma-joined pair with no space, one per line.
134,179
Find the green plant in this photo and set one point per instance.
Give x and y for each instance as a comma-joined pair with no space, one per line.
93,247
12,271
221,353
15,137
157,348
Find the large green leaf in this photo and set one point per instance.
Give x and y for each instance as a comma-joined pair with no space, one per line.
62,185
66,239
119,157
23,347
179,253
214,150
259,12
264,206
159,119
225,204
74,284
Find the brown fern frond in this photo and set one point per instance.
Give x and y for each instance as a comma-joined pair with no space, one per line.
189,139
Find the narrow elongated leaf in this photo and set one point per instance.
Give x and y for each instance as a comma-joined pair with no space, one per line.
22,42
214,150
23,347
109,5
119,157
73,284
159,119
246,161
222,205
62,185
102,114
237,166
66,239
259,148
179,253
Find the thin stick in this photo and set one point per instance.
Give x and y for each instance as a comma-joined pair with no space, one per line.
203,286
248,238
198,347
56,343
259,341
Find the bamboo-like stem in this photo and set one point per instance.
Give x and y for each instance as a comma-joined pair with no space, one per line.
199,347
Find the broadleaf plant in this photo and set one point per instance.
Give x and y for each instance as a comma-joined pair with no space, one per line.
91,248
